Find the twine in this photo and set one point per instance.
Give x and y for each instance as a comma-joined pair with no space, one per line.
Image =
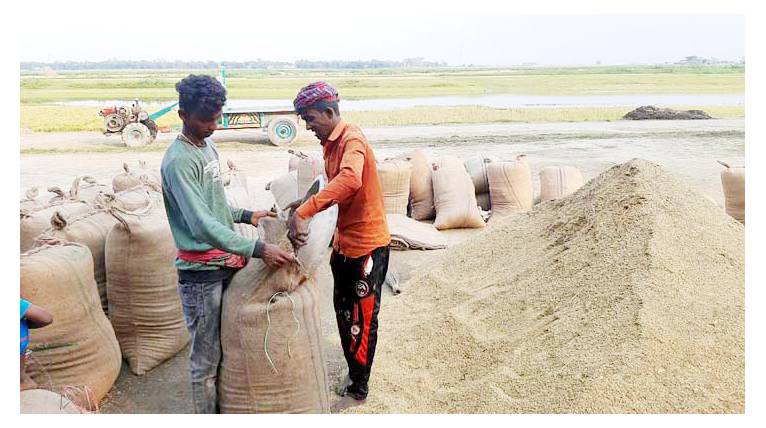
268,326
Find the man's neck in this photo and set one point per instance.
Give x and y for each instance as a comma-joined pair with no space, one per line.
192,139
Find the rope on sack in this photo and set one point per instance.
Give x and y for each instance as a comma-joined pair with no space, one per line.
268,326
119,213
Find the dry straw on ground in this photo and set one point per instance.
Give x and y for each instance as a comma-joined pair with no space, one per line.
627,296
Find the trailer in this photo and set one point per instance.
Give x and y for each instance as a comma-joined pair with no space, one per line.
137,127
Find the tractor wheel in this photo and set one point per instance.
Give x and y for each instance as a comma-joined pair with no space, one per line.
152,129
113,122
136,134
283,130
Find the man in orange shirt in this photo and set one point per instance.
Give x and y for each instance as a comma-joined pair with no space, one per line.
359,260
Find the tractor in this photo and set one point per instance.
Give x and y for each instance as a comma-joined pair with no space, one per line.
138,127
135,124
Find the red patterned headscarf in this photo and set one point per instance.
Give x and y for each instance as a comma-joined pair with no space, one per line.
313,93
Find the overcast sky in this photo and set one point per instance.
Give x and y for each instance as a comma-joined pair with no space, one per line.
288,33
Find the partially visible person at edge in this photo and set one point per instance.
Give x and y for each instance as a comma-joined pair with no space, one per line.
32,316
359,260
202,223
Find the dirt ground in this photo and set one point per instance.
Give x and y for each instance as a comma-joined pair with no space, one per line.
687,148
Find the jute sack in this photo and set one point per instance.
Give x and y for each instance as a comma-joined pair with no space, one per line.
394,176
295,158
284,189
131,178
421,187
455,199
35,220
447,161
90,229
476,166
44,402
33,199
136,198
144,305
271,332
79,349
510,187
87,189
238,196
484,201
559,181
733,181
308,169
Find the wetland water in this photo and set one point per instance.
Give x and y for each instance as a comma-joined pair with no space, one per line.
494,101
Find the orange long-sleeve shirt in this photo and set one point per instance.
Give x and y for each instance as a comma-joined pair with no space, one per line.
355,187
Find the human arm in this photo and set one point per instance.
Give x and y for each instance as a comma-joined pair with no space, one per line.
343,186
37,316
250,217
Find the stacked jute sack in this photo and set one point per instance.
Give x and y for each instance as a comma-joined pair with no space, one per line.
459,193
101,250
270,328
733,181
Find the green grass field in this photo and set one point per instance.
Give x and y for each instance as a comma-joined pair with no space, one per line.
64,119
37,90
251,84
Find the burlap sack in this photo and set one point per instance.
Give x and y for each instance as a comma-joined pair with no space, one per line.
446,161
284,189
559,181
33,198
79,349
410,234
421,187
87,189
394,176
308,170
44,402
455,199
733,181
271,332
35,220
144,305
134,198
235,187
476,166
484,201
131,178
90,229
510,187
295,158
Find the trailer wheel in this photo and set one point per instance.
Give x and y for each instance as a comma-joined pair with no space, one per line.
283,130
136,134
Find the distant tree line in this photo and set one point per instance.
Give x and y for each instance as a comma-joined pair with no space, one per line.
115,64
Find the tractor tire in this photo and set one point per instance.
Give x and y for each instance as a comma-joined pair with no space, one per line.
283,130
152,129
136,134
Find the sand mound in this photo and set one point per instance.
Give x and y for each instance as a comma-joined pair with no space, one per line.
627,296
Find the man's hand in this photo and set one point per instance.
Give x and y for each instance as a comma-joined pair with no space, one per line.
298,231
275,257
257,215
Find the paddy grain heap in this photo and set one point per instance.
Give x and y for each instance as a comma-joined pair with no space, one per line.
627,296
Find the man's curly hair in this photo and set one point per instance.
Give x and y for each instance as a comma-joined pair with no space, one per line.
202,95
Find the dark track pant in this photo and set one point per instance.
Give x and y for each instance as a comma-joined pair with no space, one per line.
356,299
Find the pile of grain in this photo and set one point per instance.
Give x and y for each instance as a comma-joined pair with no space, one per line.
627,296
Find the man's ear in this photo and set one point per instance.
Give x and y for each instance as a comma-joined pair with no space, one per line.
183,115
329,113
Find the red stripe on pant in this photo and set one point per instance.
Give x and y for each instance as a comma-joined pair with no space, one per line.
368,306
